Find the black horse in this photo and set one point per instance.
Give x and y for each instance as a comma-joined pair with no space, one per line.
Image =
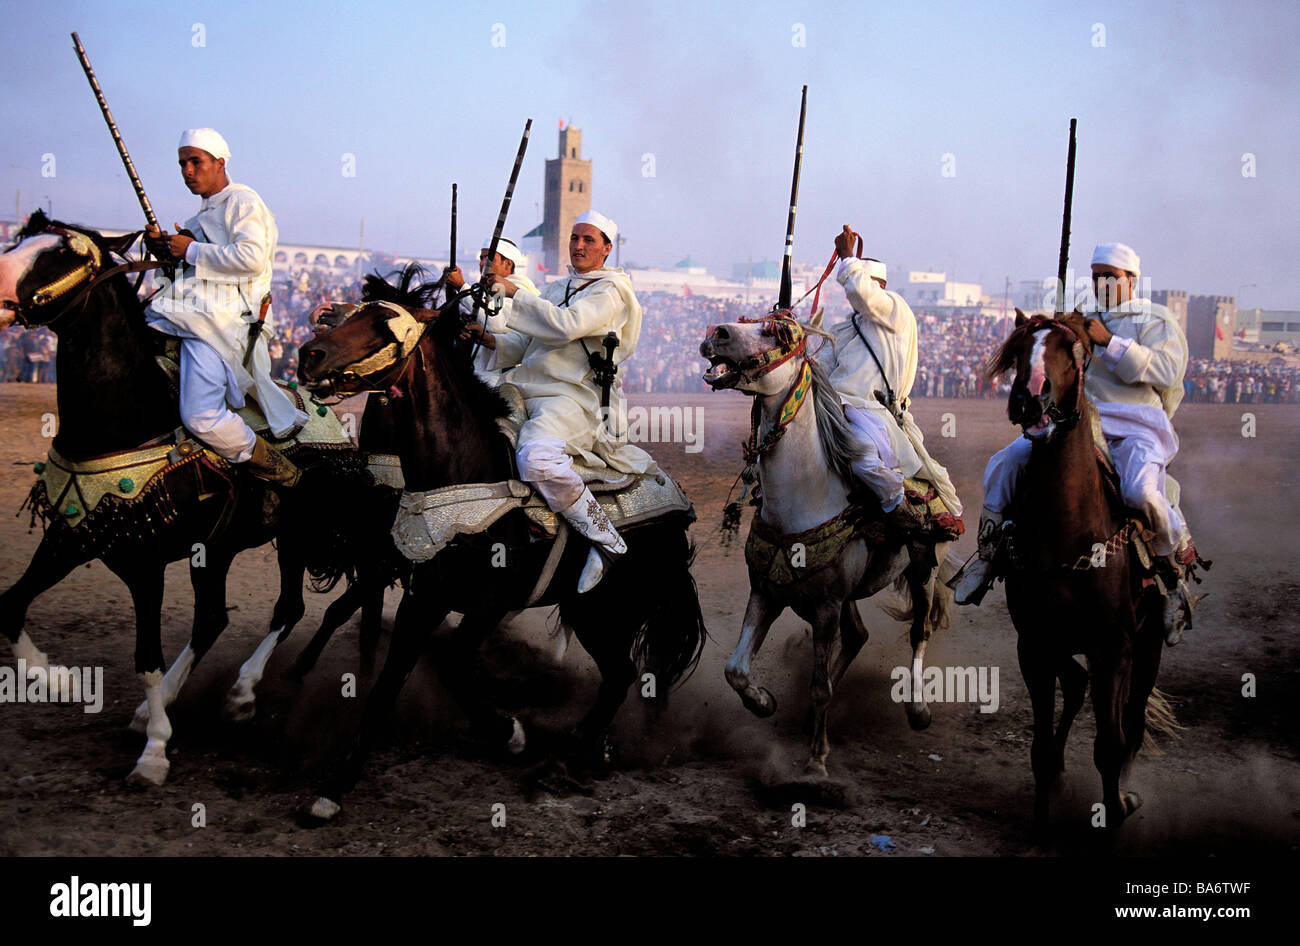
645,615
113,399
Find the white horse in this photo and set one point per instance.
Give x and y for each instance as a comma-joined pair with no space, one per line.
810,547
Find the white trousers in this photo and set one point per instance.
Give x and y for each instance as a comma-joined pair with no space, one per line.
543,463
1142,447
878,466
204,411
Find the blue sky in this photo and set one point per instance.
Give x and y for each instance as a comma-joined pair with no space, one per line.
420,96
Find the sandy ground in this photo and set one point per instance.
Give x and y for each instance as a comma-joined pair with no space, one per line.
709,778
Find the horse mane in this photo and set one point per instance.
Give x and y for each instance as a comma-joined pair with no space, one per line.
1004,358
413,290
839,441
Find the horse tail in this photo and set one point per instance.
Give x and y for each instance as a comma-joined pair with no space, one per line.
901,607
670,640
1159,718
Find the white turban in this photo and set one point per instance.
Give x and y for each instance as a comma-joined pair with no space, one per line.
506,249
875,269
600,222
1117,255
205,139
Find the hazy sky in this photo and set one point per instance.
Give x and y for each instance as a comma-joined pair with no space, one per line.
419,94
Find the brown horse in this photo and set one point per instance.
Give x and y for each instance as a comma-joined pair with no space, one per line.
1074,583
646,612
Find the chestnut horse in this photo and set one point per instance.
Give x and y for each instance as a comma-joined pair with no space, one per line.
1074,584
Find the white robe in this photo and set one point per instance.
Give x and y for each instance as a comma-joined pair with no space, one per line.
496,323
227,271
887,323
544,346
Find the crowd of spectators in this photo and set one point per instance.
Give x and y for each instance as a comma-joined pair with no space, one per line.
952,349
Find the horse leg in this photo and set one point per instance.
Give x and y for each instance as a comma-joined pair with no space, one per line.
759,615
336,615
241,701
417,615
853,635
144,579
372,617
1110,684
609,645
1146,664
920,583
209,584
1074,684
51,563
825,630
455,655
1039,673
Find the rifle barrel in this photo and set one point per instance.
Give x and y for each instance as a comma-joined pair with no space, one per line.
112,130
1063,262
783,300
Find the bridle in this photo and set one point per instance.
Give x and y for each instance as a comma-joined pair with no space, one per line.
74,287
791,341
379,372
1081,353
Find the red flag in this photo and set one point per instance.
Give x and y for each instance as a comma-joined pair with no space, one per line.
561,124
1242,334
686,291
1218,331
541,268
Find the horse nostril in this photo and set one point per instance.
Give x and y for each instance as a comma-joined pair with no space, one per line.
313,355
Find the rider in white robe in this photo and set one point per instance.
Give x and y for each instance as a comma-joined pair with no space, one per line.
1135,382
546,346
893,445
508,265
217,294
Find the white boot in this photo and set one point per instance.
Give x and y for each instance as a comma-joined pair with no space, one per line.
974,580
589,519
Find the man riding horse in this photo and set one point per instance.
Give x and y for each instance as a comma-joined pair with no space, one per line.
549,344
1136,383
219,306
875,353
506,266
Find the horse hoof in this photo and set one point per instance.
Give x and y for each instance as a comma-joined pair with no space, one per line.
149,772
240,711
762,707
815,769
517,739
323,810
1131,802
918,716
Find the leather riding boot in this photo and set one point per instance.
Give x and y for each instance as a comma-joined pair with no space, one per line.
1179,599
589,519
268,463
976,578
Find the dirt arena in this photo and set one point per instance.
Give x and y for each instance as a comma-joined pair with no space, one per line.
709,778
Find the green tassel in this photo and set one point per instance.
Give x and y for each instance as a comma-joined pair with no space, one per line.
71,511
293,385
126,484
322,410
38,468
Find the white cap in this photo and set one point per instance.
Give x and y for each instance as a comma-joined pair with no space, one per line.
1117,255
875,268
600,222
205,139
506,249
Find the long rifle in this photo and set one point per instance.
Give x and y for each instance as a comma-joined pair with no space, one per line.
112,130
1064,259
510,193
452,265
783,301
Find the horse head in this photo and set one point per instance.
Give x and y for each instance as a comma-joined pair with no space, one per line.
47,264
758,356
367,347
1050,357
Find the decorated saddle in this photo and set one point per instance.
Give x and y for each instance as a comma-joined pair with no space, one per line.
138,491
783,558
429,520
